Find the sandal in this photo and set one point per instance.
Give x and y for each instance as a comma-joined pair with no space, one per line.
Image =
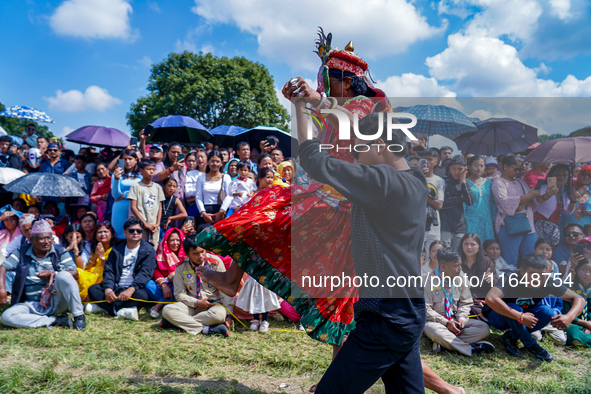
154,314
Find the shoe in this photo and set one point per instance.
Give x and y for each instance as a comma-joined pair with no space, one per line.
264,327
510,345
537,335
254,325
482,347
220,329
436,347
79,322
93,308
166,324
540,353
62,321
154,314
127,313
301,328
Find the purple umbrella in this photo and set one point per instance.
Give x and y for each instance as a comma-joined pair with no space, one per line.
498,136
562,150
99,136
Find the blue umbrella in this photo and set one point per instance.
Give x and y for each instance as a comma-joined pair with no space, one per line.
438,119
180,129
498,136
224,135
255,135
22,112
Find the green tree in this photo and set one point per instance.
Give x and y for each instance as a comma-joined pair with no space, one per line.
549,137
14,126
213,90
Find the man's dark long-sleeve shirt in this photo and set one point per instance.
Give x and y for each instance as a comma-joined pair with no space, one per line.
452,214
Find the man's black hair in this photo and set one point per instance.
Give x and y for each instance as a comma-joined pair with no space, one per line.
577,225
277,148
144,163
431,152
534,261
446,147
419,149
132,222
370,124
43,138
447,255
190,243
241,144
6,138
81,157
31,124
242,164
458,159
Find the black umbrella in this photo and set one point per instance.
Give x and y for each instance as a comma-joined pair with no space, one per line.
46,185
255,135
498,136
179,128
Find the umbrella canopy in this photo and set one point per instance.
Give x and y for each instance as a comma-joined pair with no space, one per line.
23,112
46,185
439,141
180,129
224,135
584,132
99,136
8,175
498,136
562,150
2,131
255,135
438,119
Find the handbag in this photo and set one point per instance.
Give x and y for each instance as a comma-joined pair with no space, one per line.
517,224
222,193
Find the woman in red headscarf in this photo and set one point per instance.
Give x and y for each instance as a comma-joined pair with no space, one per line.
169,254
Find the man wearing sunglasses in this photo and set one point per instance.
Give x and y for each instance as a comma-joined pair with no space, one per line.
129,267
54,164
564,251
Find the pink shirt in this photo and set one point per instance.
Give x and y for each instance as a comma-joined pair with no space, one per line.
507,195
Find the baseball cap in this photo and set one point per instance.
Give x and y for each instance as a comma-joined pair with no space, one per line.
491,161
53,145
156,147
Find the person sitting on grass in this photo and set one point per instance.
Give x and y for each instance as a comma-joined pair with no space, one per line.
128,269
199,306
579,332
517,306
44,285
448,308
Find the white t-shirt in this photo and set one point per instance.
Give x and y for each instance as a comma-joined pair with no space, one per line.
129,261
439,184
245,187
83,200
207,192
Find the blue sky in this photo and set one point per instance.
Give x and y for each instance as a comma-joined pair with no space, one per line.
85,61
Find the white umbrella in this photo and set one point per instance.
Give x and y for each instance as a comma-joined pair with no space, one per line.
2,131
8,175
437,141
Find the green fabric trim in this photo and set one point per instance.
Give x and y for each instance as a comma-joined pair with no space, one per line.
317,326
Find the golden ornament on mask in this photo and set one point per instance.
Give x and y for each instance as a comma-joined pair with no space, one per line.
349,47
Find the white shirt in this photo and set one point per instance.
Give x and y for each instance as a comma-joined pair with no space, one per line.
206,192
81,180
191,182
245,187
129,261
439,185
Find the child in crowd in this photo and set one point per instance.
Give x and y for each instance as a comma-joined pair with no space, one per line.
436,186
492,250
170,205
145,198
543,248
257,300
242,188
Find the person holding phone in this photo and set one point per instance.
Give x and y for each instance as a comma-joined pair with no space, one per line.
556,200
125,175
173,166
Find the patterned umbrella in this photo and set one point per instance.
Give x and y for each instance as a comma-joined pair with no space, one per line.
498,136
179,128
46,185
99,136
224,135
22,112
438,119
562,150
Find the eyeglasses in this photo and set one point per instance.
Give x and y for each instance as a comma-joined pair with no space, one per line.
573,234
134,230
31,129
53,150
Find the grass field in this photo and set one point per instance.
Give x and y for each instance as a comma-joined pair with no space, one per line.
116,356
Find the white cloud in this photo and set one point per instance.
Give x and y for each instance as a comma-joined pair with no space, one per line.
94,98
184,45
413,85
285,32
145,62
486,66
561,8
207,48
94,19
154,6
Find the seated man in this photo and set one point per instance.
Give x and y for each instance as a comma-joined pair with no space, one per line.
128,268
517,306
198,308
448,308
38,265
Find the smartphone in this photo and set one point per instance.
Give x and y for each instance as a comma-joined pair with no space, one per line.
148,130
121,163
578,249
190,219
180,157
551,181
133,141
422,163
539,184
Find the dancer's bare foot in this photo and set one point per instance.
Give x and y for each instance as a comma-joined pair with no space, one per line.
226,282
